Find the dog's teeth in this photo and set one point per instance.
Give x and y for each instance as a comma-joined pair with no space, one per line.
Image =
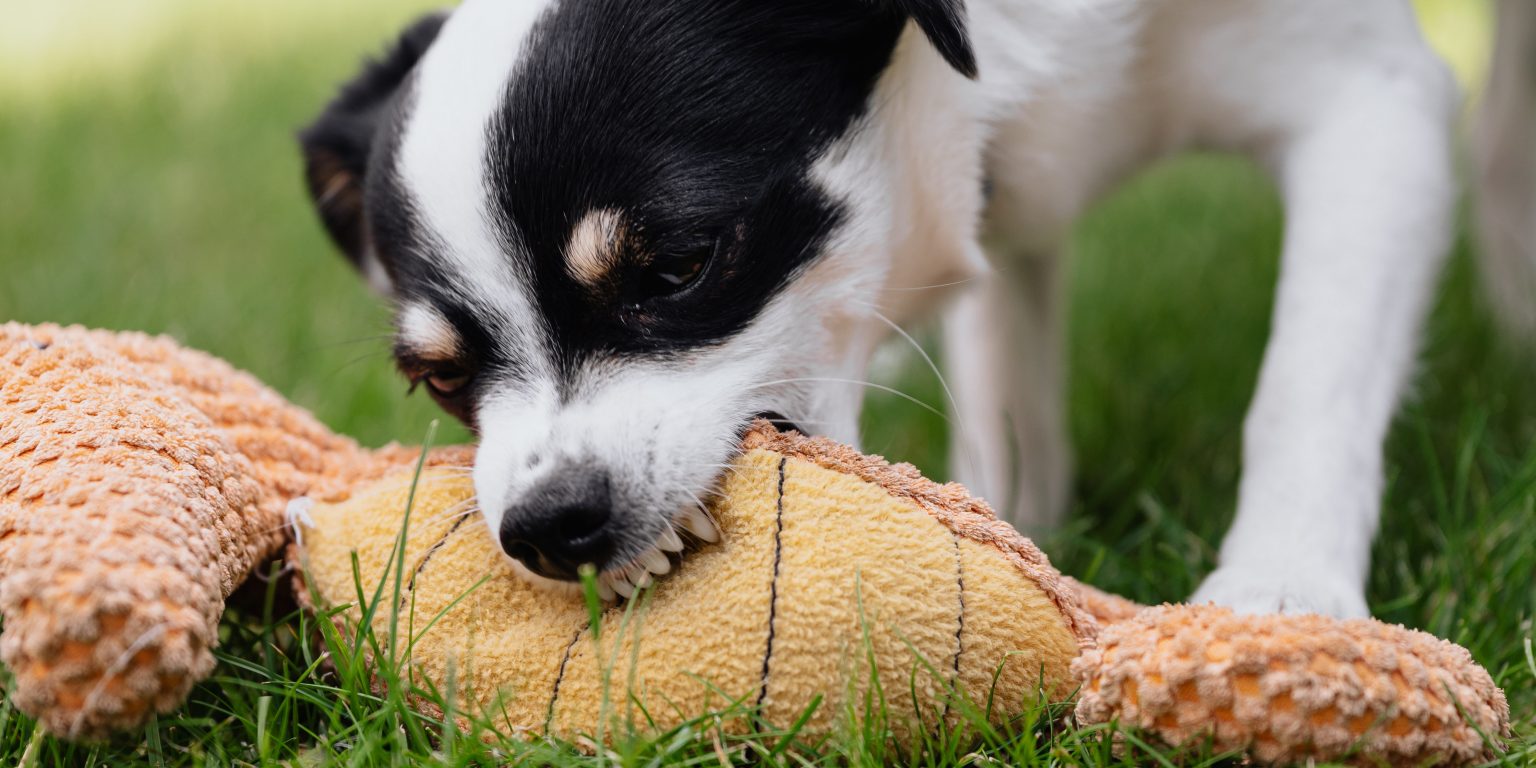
605,590
670,541
699,524
655,562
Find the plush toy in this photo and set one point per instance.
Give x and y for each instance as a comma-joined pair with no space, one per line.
140,482
776,613
829,562
1292,689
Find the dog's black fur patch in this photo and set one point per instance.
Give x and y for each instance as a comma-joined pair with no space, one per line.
697,120
945,24
339,143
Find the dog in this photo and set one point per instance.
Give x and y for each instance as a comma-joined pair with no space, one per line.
615,232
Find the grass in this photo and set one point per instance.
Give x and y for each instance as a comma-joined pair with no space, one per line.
155,186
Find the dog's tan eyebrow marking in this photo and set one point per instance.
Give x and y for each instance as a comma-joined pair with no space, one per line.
594,247
426,333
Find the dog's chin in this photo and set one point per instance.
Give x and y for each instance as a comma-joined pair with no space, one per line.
542,582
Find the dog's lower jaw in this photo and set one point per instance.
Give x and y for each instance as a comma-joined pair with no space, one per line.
526,574
611,584
640,571
1295,589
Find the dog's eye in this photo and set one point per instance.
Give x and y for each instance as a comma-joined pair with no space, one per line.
446,382
667,275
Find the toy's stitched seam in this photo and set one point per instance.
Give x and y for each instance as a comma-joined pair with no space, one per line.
773,585
443,542
950,504
959,623
554,696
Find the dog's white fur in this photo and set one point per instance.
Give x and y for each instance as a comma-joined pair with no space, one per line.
1342,101
1347,107
443,148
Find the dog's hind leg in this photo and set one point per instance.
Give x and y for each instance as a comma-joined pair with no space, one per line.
1005,337
1506,155
1003,352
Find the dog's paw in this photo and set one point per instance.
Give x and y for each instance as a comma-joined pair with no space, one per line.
1259,591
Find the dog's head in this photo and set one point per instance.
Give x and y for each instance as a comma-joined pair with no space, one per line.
615,232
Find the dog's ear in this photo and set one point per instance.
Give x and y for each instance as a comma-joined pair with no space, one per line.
338,143
944,22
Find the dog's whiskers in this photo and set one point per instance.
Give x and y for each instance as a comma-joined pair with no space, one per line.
856,382
462,509
809,422
373,355
955,427
696,519
934,286
374,339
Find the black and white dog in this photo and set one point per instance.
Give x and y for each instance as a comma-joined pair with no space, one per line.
617,230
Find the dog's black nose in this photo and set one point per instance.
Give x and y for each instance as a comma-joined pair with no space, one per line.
561,525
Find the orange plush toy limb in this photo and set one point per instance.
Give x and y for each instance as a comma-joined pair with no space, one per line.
140,483
1288,689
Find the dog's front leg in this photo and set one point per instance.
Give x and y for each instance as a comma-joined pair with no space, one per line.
1369,192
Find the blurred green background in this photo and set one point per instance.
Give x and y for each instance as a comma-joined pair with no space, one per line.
149,180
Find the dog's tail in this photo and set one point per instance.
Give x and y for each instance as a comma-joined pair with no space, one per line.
1505,147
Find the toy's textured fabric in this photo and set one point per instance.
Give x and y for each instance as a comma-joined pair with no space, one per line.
830,562
140,482
1291,689
1104,607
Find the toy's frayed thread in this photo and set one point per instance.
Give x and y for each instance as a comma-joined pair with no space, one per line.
298,517
150,636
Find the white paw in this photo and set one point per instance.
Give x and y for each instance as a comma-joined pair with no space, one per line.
1262,590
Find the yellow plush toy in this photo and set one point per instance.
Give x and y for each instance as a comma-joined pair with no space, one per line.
830,561
141,482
